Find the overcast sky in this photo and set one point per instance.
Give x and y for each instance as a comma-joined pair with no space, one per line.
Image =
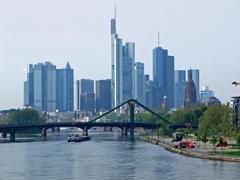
200,34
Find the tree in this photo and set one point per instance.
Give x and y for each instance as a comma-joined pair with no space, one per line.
213,141
23,117
204,138
216,120
238,139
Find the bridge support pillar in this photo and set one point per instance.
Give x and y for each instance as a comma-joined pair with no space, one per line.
132,109
12,136
125,131
44,134
4,135
85,131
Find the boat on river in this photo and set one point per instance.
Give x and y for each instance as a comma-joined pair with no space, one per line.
78,138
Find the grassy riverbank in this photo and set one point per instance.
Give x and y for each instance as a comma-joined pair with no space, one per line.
204,152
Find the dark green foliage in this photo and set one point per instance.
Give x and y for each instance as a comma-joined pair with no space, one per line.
216,121
187,115
23,117
238,138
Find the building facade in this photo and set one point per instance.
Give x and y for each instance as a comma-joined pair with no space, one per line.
196,80
190,98
49,89
103,95
179,85
139,82
163,76
65,89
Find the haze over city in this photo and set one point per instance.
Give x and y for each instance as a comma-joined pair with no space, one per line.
200,34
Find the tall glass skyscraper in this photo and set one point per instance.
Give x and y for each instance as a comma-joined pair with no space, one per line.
163,76
48,89
179,91
29,86
103,95
65,89
127,72
86,95
196,80
122,67
139,82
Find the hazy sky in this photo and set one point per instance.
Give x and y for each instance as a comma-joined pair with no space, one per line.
200,34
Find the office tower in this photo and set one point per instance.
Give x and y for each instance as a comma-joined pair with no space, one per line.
179,85
163,76
116,60
190,92
86,95
205,93
39,86
87,102
77,95
103,95
29,86
196,80
65,89
139,83
127,72
122,67
49,79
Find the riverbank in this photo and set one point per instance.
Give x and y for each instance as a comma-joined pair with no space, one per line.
209,155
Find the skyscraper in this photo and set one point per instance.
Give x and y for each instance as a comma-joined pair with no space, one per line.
45,87
196,80
103,95
139,82
39,86
190,92
29,86
65,89
163,76
179,85
127,72
86,95
116,59
122,67
77,95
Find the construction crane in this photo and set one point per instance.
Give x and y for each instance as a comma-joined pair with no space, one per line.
235,83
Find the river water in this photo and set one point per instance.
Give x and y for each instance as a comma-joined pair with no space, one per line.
106,156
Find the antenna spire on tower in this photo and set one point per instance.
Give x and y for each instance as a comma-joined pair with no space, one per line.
158,39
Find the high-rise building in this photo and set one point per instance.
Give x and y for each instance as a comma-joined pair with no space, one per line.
45,87
190,98
122,67
196,80
205,93
87,102
29,86
116,59
163,76
127,72
39,86
139,82
86,93
49,89
179,85
77,95
103,95
65,89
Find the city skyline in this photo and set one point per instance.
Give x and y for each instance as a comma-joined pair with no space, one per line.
209,56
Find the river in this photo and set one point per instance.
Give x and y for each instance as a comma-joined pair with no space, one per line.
106,156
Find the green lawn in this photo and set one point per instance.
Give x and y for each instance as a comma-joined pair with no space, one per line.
230,153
